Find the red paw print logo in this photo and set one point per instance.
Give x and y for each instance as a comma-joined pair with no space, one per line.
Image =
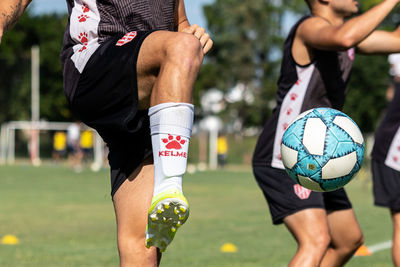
289,111
398,148
85,8
396,159
83,18
173,143
293,96
298,82
83,37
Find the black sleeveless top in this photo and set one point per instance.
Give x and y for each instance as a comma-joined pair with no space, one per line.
322,83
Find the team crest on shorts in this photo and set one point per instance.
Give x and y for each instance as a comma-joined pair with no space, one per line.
126,39
301,192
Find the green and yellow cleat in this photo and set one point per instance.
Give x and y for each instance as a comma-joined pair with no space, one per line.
168,211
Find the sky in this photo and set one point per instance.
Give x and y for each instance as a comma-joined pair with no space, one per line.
194,9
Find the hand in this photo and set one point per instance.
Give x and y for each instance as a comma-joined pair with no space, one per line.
200,34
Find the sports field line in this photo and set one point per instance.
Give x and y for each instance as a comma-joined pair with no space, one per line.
380,246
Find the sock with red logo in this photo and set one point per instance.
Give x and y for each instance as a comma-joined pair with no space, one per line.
171,126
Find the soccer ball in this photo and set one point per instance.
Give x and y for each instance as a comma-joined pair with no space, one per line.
322,149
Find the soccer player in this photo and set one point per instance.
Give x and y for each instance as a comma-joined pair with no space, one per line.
59,145
129,68
317,60
385,166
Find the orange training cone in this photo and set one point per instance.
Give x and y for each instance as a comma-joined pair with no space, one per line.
363,251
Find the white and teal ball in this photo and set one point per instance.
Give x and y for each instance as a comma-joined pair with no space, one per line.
322,149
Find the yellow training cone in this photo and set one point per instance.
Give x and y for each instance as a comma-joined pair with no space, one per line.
9,240
363,251
229,248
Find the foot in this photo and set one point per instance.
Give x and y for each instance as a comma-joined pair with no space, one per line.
168,211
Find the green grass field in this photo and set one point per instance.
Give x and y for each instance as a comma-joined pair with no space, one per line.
67,219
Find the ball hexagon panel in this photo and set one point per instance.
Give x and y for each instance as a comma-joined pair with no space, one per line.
338,167
290,156
350,127
309,183
314,136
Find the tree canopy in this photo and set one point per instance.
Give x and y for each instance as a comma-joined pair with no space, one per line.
15,60
248,38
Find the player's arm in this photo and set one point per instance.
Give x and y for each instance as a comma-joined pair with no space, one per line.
183,25
10,11
318,33
181,21
381,42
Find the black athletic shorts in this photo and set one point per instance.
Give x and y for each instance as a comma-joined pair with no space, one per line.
285,197
386,186
106,99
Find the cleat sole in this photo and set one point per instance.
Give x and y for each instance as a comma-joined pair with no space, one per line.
161,232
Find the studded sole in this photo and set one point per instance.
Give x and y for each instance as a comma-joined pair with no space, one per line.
164,220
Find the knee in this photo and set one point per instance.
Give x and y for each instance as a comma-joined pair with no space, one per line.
322,242
352,245
185,50
318,243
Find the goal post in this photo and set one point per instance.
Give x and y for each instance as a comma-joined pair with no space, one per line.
7,139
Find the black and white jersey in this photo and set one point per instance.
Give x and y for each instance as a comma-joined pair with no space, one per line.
386,148
322,83
93,21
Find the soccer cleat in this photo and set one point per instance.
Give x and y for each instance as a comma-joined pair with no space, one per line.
168,211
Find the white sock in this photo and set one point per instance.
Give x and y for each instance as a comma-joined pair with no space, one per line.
170,126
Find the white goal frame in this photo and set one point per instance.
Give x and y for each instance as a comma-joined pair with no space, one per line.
7,139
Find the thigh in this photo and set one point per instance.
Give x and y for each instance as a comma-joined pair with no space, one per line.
283,195
153,53
343,227
308,225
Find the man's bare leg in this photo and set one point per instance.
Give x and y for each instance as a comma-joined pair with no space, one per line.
131,203
167,67
346,237
310,229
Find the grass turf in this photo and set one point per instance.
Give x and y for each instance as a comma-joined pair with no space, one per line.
63,218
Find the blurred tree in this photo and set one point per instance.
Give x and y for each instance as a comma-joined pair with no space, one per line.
247,39
367,88
15,75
